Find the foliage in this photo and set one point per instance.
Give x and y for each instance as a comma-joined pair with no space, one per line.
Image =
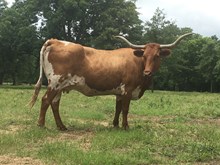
17,44
90,22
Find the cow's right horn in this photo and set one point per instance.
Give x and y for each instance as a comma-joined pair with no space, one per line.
176,42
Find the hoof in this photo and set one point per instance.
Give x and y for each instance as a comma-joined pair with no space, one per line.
41,126
63,128
116,127
126,127
115,124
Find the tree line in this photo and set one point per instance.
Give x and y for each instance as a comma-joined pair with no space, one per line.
193,66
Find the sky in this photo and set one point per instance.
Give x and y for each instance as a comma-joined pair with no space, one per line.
203,16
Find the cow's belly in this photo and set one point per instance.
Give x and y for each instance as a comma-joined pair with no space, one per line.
120,90
93,92
78,83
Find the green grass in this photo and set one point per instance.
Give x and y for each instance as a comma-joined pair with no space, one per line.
165,128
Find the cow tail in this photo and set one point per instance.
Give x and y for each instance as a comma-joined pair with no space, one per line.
39,82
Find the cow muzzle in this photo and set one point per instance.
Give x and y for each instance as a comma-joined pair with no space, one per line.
147,73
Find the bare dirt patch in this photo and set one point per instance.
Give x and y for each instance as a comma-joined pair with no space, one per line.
75,135
214,162
13,160
208,121
82,137
11,129
95,122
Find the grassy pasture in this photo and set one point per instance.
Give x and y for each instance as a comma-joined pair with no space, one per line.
165,128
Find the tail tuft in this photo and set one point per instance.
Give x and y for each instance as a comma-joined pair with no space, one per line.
36,92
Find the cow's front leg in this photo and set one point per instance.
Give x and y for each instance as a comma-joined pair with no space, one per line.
55,108
125,108
117,111
46,101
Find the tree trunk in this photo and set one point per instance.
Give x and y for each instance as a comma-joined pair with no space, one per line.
14,79
1,78
211,86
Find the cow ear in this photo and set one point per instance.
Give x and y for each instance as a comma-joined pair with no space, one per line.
138,52
165,52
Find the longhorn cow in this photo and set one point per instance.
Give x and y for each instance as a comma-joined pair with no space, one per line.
125,73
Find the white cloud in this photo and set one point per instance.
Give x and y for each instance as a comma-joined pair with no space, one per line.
200,15
10,2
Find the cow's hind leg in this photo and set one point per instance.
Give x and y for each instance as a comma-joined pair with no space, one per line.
55,108
117,111
46,101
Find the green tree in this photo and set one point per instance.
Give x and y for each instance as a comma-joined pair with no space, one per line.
159,29
208,60
90,22
188,51
3,7
110,18
216,70
18,37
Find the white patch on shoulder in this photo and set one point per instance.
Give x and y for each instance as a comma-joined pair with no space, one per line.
72,81
122,88
65,42
135,93
76,80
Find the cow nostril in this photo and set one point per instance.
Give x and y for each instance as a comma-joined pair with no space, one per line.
147,73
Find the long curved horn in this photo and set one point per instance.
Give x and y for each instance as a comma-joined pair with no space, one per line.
176,42
130,44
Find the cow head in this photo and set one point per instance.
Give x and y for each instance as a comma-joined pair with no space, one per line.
152,55
153,52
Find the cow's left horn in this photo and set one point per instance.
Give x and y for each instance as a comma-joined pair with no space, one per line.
130,44
176,42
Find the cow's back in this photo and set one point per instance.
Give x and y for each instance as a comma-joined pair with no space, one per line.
65,57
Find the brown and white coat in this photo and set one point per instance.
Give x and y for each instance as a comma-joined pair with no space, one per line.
124,72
